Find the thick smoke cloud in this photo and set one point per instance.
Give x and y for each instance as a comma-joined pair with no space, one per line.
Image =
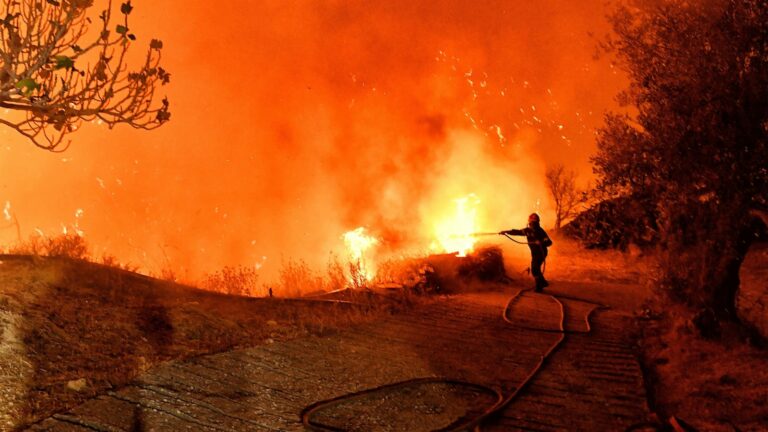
294,122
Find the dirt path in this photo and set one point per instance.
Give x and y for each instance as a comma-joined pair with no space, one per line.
592,382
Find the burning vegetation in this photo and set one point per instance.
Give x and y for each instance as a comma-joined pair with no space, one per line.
383,154
281,166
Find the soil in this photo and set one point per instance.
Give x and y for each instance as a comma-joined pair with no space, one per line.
713,385
73,329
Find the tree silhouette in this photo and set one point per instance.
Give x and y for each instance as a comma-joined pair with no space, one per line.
695,141
60,67
562,186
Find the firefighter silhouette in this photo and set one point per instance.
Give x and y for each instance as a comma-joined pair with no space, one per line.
538,242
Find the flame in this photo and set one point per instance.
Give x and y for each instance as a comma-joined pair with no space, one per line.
358,243
455,233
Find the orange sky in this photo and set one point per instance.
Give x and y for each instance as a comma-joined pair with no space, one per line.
293,122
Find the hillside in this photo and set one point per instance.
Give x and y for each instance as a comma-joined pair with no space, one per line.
72,329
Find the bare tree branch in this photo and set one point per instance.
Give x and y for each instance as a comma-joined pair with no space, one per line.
562,186
58,72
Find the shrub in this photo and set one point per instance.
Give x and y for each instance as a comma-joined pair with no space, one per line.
168,274
358,279
112,261
62,245
412,274
296,277
336,277
616,223
238,280
485,265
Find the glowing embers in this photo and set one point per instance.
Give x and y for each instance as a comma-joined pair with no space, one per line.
358,244
455,231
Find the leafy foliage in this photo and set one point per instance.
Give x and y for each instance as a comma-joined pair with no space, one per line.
55,72
695,141
616,223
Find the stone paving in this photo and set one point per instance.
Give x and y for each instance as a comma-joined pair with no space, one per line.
592,383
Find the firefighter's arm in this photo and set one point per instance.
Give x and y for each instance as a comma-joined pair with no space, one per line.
516,232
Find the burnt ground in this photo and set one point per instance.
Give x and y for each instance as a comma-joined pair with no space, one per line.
592,382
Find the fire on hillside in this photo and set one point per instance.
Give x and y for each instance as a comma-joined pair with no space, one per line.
452,251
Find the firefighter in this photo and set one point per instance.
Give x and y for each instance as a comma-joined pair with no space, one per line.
538,242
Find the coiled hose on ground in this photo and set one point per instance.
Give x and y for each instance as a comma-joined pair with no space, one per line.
501,400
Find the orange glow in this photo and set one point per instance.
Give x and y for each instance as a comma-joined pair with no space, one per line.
293,121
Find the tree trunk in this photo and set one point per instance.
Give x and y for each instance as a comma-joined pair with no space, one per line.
720,281
726,298
705,247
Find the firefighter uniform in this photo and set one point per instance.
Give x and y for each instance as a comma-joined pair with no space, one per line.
538,242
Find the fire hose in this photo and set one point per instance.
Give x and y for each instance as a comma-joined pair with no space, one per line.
658,426
544,265
502,401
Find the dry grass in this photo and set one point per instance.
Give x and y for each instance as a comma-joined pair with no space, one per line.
296,278
236,280
64,320
112,261
408,272
570,260
61,245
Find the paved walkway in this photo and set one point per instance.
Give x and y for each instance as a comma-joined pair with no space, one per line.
591,383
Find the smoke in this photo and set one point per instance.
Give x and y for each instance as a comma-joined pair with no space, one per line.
294,122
